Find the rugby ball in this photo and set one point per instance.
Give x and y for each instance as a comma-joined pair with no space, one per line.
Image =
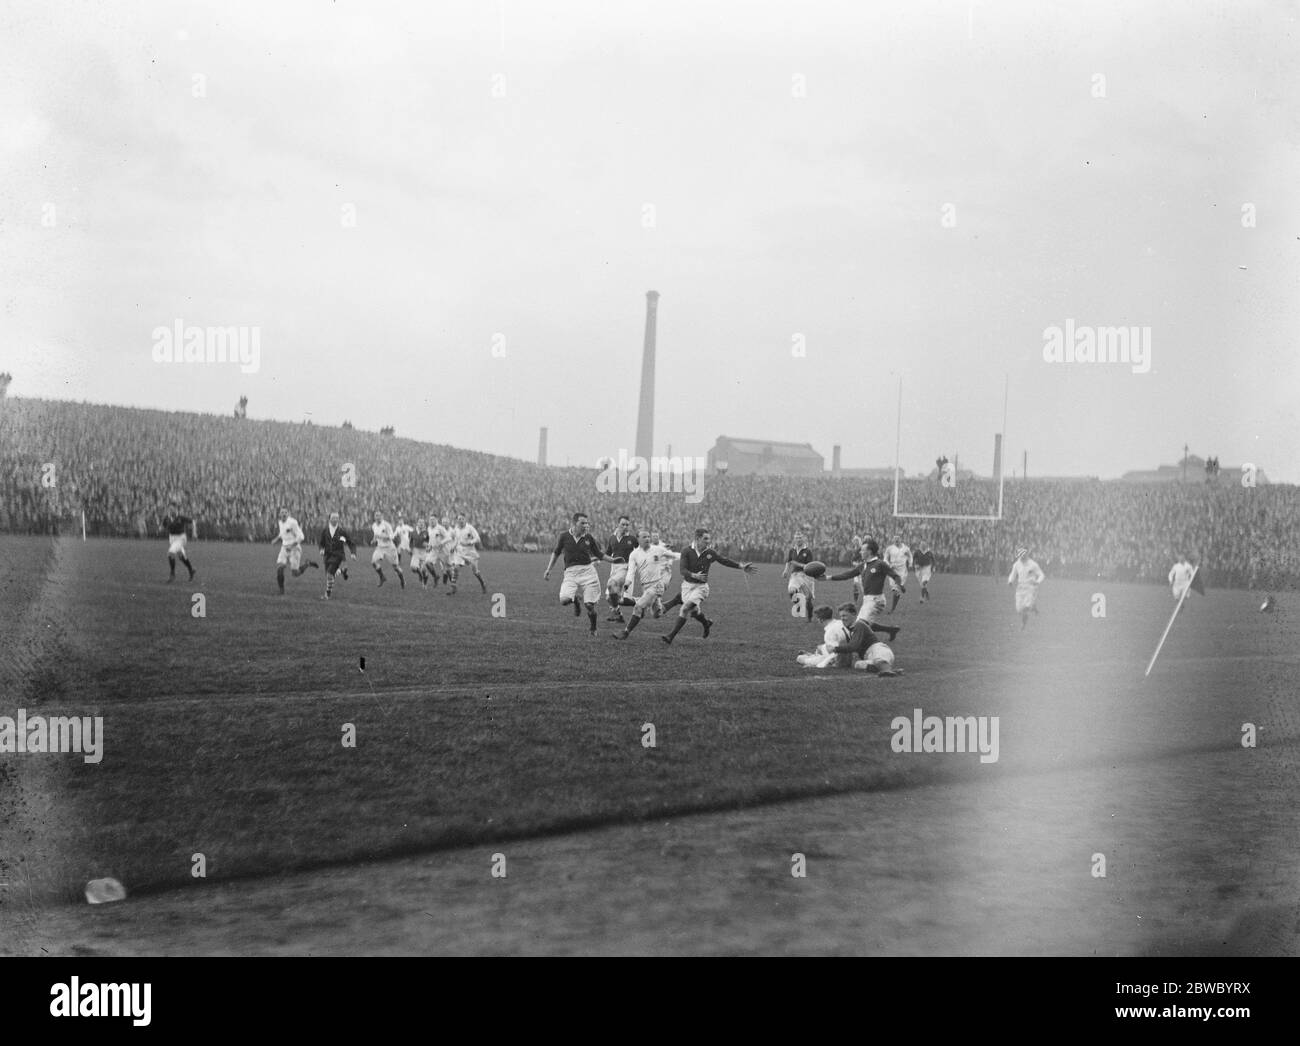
815,569
105,891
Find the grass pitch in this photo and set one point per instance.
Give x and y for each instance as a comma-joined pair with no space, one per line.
521,735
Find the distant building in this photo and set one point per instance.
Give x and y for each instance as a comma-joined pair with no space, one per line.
879,473
1194,473
748,457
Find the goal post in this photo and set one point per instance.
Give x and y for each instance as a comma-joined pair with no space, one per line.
931,501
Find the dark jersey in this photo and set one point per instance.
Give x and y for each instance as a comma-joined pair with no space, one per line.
578,552
419,538
799,555
860,637
620,547
923,559
335,544
176,524
874,571
698,563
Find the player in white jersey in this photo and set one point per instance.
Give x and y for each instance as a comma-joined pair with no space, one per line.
647,567
466,545
1180,577
667,558
440,544
402,537
834,634
1026,575
899,557
290,539
385,549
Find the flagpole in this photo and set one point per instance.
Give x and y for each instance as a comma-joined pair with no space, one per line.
1177,608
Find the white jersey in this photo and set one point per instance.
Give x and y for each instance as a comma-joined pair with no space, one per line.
383,535
291,535
647,566
899,557
440,538
1181,576
465,537
667,557
834,635
402,535
1025,572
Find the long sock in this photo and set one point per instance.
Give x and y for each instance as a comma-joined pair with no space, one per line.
481,583
171,565
635,620
279,577
678,625
329,583
676,601
627,601
591,615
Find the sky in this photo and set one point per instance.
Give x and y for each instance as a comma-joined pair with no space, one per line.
445,217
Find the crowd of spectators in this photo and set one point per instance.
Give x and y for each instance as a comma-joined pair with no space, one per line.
123,467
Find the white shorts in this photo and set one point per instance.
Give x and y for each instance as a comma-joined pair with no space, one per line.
419,557
801,582
815,660
177,545
923,574
872,610
617,575
464,554
694,594
1026,597
291,556
1180,589
581,580
650,595
894,586
384,555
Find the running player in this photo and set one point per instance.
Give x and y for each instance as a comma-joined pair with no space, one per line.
385,549
334,544
420,551
466,545
645,567
440,545
667,558
402,538
899,557
873,571
1180,577
619,547
581,584
696,560
800,588
177,527
924,563
290,538
1026,575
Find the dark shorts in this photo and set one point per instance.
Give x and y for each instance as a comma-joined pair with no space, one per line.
332,563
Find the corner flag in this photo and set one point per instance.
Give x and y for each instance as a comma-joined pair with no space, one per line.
1198,580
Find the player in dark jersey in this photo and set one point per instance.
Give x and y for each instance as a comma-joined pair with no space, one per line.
334,544
619,547
923,561
862,637
177,528
581,585
800,587
873,571
695,563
